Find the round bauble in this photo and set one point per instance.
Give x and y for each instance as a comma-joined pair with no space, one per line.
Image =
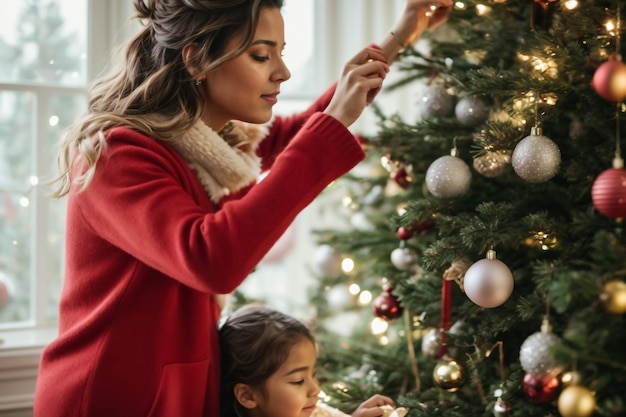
536,158
432,346
404,258
386,306
613,297
608,193
535,356
436,102
488,282
576,401
338,296
501,408
540,390
327,262
471,110
490,165
449,375
448,177
609,80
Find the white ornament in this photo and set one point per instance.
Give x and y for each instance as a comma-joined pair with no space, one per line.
471,110
404,258
448,177
489,282
327,262
535,356
338,296
536,158
436,102
431,344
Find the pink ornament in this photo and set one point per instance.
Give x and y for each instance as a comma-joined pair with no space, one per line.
488,282
608,192
609,80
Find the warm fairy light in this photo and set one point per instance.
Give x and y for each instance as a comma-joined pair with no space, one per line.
378,326
401,209
482,10
347,201
550,98
347,265
610,26
571,4
53,121
459,5
354,289
33,180
430,12
24,201
386,162
365,298
384,340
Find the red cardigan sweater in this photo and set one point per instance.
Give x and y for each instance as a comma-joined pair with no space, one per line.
146,252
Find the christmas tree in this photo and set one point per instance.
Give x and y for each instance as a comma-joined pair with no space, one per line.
482,269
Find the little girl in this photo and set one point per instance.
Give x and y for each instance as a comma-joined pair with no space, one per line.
268,364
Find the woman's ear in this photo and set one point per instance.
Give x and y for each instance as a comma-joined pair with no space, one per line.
188,52
245,396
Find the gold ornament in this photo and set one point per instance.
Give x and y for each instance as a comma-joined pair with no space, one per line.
614,296
576,401
571,378
449,375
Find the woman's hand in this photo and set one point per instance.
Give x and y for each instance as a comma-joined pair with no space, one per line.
372,407
420,15
361,78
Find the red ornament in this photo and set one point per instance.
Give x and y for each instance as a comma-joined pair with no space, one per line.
402,178
386,306
405,233
609,80
540,390
608,193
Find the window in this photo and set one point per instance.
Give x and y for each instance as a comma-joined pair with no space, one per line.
43,73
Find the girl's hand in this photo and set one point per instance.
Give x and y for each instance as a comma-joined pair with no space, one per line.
361,78
372,406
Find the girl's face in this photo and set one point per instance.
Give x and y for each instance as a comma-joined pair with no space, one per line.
247,87
292,391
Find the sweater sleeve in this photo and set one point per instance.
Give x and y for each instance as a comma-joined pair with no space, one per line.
138,204
284,128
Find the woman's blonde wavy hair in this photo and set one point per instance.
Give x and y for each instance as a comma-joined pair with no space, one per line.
151,90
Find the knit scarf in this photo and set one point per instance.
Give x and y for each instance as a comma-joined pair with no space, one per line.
224,162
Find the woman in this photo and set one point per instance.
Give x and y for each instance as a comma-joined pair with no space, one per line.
163,210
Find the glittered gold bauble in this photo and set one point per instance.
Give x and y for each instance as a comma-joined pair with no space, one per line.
449,375
613,297
490,165
576,401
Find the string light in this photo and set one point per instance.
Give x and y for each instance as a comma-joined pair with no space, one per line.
347,265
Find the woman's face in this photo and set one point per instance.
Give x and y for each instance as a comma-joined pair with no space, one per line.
247,87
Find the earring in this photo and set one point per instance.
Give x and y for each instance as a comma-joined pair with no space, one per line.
199,81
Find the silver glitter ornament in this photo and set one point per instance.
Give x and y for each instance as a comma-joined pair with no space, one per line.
448,177
432,346
535,356
471,110
536,158
436,102
327,262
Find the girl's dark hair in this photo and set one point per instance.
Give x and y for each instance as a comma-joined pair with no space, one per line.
254,342
151,89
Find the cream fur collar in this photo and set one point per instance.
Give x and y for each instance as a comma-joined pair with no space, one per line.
224,162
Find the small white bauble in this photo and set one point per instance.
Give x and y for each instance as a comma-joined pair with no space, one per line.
471,110
535,356
338,296
436,102
432,346
448,177
489,282
404,258
536,158
327,262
